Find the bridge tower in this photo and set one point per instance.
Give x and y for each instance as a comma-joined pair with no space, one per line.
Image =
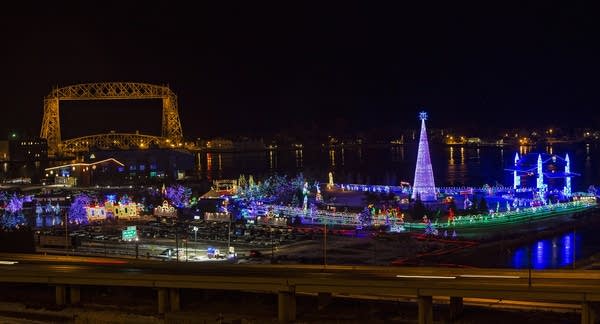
424,184
172,134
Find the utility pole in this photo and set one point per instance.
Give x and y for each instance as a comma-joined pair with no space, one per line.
573,245
177,244
529,256
272,247
229,236
325,244
67,233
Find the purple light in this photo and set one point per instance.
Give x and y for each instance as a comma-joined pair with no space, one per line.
15,204
77,211
424,184
178,195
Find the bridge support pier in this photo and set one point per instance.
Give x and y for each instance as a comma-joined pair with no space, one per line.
162,300
75,294
174,299
323,299
456,307
590,312
286,309
425,309
61,295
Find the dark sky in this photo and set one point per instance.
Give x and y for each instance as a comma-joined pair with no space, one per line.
258,69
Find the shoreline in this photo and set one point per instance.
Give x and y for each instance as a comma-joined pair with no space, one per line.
501,244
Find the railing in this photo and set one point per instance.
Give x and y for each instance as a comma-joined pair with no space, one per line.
286,281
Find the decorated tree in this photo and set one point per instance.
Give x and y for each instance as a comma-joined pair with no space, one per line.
430,229
365,217
178,195
77,211
242,182
15,204
124,200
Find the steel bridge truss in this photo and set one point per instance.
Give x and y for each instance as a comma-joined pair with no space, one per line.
172,134
121,141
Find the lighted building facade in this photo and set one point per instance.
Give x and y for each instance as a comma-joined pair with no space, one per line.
127,211
151,165
165,210
28,149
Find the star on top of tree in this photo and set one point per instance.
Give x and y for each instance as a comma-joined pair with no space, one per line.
423,115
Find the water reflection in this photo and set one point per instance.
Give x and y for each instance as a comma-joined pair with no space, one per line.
524,149
331,157
557,252
298,158
209,166
397,153
198,162
271,159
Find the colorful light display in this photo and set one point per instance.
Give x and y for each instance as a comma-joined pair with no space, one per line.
567,188
15,204
178,195
516,177
540,173
424,184
77,211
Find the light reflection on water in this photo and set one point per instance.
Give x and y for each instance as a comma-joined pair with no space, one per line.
553,253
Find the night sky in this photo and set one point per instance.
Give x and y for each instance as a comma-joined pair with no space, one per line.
257,70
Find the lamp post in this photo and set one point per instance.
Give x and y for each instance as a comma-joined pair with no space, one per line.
272,247
67,233
177,244
529,256
195,233
229,235
325,243
186,249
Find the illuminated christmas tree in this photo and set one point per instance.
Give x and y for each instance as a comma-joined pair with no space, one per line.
424,184
77,213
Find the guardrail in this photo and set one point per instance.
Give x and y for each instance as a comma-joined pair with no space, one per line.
286,281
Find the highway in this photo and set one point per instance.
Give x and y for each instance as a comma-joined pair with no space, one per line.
559,281
574,286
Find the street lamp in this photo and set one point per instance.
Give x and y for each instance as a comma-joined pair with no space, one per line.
229,235
325,243
529,257
67,233
195,233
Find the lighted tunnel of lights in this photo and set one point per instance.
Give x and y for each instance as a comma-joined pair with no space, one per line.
580,203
